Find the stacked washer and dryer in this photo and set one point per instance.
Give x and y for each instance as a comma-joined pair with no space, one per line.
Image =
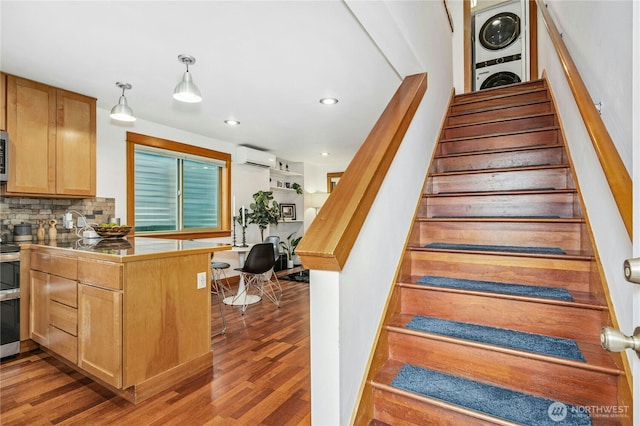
499,45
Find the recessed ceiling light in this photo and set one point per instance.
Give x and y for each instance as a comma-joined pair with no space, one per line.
328,101
325,154
232,122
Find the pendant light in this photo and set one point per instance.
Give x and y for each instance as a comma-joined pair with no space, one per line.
122,111
186,90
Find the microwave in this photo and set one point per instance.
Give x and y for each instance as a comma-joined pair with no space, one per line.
4,156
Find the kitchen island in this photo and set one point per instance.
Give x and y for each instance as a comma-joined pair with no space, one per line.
132,314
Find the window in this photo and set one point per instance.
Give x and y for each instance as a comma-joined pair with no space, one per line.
175,188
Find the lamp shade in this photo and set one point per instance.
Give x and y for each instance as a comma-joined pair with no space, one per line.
186,90
122,111
317,199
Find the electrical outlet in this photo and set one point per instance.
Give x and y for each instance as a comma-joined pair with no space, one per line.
81,222
202,280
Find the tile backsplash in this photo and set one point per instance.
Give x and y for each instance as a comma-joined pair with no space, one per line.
16,210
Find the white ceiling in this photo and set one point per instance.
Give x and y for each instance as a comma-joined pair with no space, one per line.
264,63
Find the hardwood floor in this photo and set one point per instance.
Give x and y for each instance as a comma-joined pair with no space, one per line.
260,376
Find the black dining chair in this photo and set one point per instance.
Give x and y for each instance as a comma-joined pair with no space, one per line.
259,263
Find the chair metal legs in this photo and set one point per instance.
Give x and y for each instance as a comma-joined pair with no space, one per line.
271,287
267,285
218,281
216,288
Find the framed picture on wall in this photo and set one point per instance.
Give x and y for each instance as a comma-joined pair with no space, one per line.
332,180
288,211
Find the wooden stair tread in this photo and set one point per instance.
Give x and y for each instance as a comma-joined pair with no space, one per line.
509,133
596,359
506,219
497,107
570,254
461,102
501,169
499,91
497,151
390,370
580,299
500,120
508,192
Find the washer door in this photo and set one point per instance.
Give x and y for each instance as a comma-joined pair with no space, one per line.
501,78
500,31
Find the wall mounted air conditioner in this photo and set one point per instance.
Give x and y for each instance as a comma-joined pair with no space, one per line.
254,157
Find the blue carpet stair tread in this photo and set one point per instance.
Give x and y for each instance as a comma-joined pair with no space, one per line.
489,247
489,399
495,287
529,342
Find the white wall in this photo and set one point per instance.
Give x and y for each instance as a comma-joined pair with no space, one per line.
612,241
346,307
111,180
457,43
245,180
599,37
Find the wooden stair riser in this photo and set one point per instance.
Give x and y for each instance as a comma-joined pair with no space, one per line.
542,156
567,383
501,180
529,96
500,113
570,274
395,409
501,126
539,137
564,235
398,410
498,92
570,322
560,204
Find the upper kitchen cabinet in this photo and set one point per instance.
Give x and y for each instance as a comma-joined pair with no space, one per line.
52,133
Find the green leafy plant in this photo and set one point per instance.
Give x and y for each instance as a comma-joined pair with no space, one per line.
265,211
290,245
297,187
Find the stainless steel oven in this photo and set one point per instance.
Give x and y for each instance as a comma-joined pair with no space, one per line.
4,156
9,300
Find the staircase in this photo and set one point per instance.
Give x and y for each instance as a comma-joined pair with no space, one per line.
497,313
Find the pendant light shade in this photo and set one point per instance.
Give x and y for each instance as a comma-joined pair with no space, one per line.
186,90
122,111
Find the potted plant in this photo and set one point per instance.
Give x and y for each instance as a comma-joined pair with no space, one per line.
265,211
289,247
297,187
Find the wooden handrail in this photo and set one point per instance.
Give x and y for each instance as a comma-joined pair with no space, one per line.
328,241
615,172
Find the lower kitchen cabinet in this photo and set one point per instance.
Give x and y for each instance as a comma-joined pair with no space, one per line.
39,310
100,339
136,323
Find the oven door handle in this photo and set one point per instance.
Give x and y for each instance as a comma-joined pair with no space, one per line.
9,294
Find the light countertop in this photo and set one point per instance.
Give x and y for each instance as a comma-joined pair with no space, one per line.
128,248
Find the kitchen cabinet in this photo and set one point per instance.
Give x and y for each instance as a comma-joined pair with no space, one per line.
39,310
52,133
100,343
53,298
137,321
